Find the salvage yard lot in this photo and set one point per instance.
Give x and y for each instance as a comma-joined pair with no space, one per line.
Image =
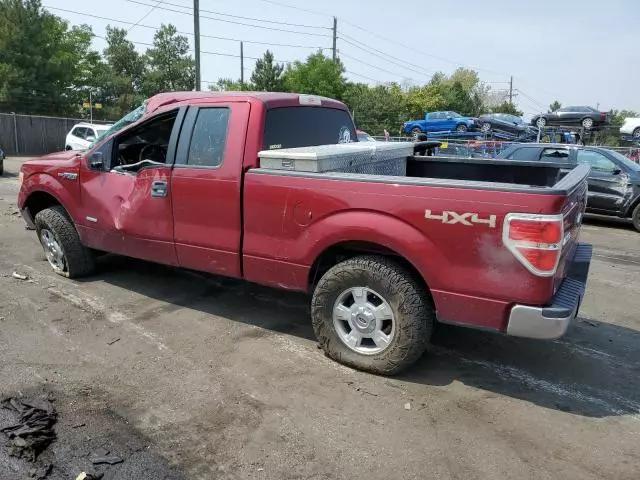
186,376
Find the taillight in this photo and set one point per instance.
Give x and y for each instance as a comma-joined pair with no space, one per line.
535,240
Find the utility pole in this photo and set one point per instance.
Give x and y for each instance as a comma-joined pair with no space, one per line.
90,108
511,90
335,37
196,34
241,64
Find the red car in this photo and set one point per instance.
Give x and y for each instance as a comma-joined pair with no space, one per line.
487,244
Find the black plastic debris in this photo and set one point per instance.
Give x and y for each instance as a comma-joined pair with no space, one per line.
34,431
111,460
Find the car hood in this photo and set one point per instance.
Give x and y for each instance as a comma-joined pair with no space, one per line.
54,159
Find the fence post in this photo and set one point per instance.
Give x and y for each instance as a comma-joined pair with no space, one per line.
15,132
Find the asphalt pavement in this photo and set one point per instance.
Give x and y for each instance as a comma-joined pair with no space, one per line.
188,376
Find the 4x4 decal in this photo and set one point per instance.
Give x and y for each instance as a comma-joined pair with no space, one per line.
468,218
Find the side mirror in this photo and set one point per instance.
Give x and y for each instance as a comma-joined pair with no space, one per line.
90,138
616,171
96,161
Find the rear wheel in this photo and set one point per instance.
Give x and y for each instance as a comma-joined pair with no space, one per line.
541,122
68,147
636,134
635,217
370,313
61,243
486,127
587,123
461,127
415,132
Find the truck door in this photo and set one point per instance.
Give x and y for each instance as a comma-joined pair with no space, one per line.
126,199
607,183
207,185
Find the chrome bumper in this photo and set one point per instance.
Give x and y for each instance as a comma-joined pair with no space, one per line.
553,320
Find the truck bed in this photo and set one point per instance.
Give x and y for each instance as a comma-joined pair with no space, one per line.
483,174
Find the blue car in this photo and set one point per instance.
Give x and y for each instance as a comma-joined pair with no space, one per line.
440,122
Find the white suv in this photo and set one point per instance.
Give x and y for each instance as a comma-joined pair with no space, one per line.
631,126
83,134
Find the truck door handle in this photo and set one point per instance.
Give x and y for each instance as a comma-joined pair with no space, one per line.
159,189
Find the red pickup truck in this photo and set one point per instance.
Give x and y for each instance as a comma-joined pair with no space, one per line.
489,244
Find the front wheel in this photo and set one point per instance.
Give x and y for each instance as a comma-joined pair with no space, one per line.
635,217
541,122
415,132
61,243
486,127
369,313
461,128
636,134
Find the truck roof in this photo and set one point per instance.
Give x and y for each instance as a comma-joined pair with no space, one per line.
269,99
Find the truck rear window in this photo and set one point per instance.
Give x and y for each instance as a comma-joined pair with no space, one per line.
290,127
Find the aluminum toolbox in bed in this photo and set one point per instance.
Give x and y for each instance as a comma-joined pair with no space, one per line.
359,157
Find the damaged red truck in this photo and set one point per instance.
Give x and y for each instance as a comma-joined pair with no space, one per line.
486,244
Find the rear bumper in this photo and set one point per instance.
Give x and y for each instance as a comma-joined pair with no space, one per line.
553,320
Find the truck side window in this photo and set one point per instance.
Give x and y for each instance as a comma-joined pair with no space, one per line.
209,137
597,161
554,153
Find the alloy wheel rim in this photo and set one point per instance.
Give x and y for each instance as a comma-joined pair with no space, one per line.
53,250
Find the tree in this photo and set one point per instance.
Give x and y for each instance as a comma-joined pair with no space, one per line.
319,75
169,67
126,69
40,59
267,76
556,105
229,85
507,107
376,108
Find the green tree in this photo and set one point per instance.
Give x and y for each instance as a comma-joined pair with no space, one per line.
169,66
556,105
375,109
125,71
507,107
267,75
229,85
41,59
318,75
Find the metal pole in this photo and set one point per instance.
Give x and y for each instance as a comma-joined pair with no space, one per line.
196,33
90,108
335,36
241,64
15,132
511,90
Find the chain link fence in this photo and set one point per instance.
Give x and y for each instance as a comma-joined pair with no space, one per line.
34,135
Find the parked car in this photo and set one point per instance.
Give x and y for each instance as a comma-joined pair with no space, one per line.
2,157
440,122
614,180
506,123
364,136
180,183
586,117
83,134
631,128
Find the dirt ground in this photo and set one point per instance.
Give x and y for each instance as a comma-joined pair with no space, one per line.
205,378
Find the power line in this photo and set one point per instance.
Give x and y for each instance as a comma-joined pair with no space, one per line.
277,22
234,22
125,22
372,51
145,16
342,54
532,99
363,76
300,9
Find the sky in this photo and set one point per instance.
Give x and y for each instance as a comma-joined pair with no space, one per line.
577,52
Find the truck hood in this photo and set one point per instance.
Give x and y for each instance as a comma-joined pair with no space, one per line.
53,159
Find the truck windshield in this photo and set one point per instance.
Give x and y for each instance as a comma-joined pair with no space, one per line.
290,127
128,119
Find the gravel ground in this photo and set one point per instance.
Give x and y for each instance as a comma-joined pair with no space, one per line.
191,377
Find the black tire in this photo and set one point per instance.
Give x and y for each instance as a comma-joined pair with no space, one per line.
541,122
68,147
636,134
635,217
461,127
415,132
413,313
1,168
486,127
78,259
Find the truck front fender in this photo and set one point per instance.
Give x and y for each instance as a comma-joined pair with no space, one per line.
43,183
